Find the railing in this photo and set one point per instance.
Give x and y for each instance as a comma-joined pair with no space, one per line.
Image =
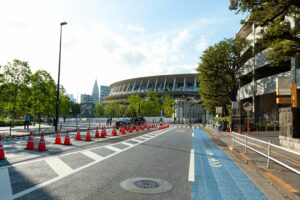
246,141
269,151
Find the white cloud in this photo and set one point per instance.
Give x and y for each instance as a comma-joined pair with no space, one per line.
132,28
201,45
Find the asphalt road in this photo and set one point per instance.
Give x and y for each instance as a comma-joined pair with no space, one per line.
184,157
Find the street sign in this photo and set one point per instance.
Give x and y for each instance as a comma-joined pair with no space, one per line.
219,110
247,106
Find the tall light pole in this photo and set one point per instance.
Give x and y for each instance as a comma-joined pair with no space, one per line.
58,79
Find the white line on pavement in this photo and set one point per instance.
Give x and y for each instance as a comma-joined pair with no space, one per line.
5,186
192,166
92,155
127,143
113,148
43,184
59,166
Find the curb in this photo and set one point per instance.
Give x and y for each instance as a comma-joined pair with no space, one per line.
265,174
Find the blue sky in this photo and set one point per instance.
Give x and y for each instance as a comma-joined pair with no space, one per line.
112,40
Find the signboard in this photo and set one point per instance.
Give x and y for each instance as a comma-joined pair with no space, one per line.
294,95
219,110
283,100
283,86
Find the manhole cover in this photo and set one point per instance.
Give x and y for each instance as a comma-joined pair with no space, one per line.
146,185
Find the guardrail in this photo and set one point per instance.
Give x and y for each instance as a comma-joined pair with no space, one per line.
246,141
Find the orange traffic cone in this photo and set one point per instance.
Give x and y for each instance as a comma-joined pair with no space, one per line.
30,143
97,133
57,139
127,128
88,136
131,129
148,127
136,129
67,139
42,145
114,132
78,136
103,133
2,153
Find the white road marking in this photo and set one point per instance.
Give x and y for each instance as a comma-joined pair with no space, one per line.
92,155
59,166
5,185
127,143
192,166
113,148
43,184
133,139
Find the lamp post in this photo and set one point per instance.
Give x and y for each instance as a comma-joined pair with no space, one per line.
58,79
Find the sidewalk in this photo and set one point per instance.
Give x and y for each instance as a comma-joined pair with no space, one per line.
284,180
19,131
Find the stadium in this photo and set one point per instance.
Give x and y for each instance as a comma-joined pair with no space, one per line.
178,86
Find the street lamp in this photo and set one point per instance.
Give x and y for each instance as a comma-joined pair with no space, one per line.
58,79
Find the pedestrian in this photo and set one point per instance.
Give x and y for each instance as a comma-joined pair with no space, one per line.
110,121
27,122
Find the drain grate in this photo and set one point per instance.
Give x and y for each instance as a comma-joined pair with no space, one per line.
146,185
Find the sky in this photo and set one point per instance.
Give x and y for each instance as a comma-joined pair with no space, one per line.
112,40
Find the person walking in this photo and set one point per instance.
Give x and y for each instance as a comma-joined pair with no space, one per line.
27,122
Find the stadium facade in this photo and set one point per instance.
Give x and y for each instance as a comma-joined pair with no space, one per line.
177,86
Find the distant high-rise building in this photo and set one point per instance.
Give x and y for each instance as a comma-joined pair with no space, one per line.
95,93
72,98
86,98
104,91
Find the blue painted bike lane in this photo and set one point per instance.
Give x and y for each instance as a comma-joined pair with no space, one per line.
217,176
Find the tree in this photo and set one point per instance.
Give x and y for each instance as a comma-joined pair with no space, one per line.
112,109
150,105
218,71
99,110
280,19
133,104
16,76
168,105
42,94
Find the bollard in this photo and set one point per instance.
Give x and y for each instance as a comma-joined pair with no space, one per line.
269,154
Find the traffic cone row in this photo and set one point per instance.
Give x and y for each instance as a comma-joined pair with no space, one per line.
2,153
67,141
163,126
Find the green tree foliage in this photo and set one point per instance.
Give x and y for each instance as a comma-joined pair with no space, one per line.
218,69
42,94
16,76
112,109
150,105
168,105
133,102
280,34
99,110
